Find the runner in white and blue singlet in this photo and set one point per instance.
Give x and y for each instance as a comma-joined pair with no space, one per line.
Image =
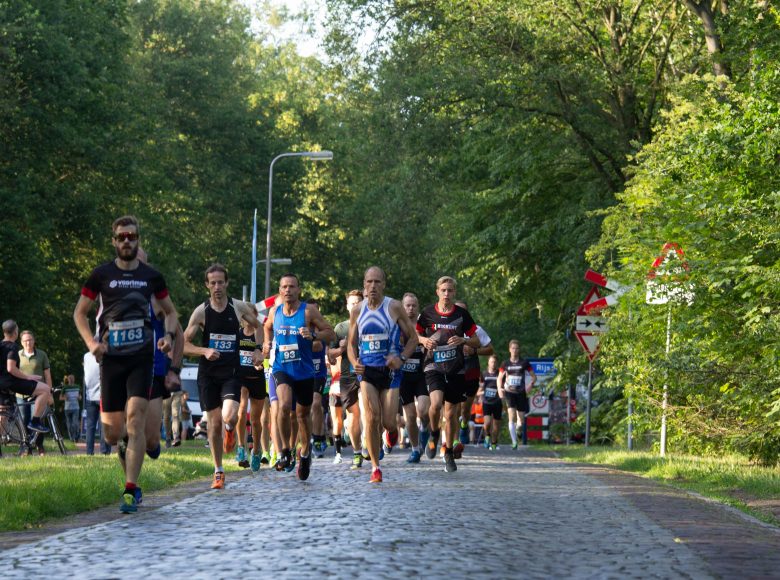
375,327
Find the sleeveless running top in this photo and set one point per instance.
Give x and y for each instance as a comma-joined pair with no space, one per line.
292,353
515,375
491,387
378,334
220,332
318,360
246,349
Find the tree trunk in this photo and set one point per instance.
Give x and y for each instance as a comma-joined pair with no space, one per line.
703,10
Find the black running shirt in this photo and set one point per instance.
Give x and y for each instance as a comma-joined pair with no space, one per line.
440,327
515,375
491,388
123,315
221,332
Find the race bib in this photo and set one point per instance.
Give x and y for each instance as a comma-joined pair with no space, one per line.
412,365
317,363
335,388
514,381
290,353
443,354
125,333
374,344
246,358
222,342
491,393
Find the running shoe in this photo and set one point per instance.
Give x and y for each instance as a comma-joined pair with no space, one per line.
176,442
514,446
304,467
493,447
240,454
392,438
442,450
425,434
37,425
274,457
463,435
430,450
376,476
128,505
337,460
139,495
449,462
219,480
228,440
457,451
291,461
382,453
281,462
357,460
255,462
324,446
319,452
365,454
414,457
486,442
265,459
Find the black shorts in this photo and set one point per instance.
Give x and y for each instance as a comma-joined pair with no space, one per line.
349,391
122,377
24,387
471,388
303,389
334,400
492,410
255,386
453,386
412,386
517,401
380,377
158,389
319,385
215,389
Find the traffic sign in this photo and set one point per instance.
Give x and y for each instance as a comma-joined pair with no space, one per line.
667,278
592,323
592,296
590,341
600,280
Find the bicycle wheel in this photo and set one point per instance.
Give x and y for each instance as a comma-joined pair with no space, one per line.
55,433
12,430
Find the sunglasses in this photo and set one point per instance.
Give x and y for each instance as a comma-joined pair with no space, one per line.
126,237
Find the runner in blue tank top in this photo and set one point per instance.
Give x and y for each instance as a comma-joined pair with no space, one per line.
375,328
290,324
320,401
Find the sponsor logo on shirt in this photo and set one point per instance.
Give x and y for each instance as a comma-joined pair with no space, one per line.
128,284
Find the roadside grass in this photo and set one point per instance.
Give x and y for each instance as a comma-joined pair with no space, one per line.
730,479
35,489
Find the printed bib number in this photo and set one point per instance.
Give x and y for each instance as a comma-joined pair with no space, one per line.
290,353
125,333
317,363
491,393
246,358
412,365
374,344
514,381
443,354
222,342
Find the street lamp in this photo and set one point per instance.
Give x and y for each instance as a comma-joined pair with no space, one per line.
311,155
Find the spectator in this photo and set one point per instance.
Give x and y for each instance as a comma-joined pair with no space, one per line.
477,422
172,409
92,404
71,394
34,361
186,416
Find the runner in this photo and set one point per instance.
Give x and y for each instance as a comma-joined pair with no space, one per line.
348,383
492,405
375,327
414,392
291,324
471,375
124,345
319,352
252,380
444,328
511,380
220,318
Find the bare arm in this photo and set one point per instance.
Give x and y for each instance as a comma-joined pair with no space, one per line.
196,323
324,330
15,371
83,306
268,332
352,341
408,329
247,312
533,380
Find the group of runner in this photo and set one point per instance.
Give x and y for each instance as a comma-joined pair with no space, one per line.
388,357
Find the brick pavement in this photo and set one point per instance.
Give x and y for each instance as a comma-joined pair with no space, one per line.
502,515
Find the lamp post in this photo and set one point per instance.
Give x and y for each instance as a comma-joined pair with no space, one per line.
311,155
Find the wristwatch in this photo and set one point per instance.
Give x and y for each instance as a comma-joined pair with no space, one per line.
402,357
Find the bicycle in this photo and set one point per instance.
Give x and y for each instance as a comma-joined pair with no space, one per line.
14,432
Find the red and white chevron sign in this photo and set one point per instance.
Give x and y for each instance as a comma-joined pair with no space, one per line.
610,300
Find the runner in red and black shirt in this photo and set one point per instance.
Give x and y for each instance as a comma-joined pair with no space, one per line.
443,328
124,345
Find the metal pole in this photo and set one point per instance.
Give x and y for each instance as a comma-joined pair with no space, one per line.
665,401
630,425
253,284
568,414
590,394
268,228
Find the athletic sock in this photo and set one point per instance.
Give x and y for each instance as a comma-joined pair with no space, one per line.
435,435
130,487
219,470
513,432
337,441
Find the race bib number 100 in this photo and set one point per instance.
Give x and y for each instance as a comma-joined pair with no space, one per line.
125,333
411,365
222,342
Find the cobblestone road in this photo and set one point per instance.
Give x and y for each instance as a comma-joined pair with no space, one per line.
501,515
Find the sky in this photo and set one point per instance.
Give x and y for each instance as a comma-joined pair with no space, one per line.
308,44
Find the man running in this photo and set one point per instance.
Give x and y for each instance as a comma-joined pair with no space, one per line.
491,404
348,383
124,345
291,324
375,327
443,329
219,318
511,380
414,392
252,380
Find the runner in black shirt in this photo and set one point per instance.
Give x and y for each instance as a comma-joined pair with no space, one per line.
491,404
511,381
443,329
124,345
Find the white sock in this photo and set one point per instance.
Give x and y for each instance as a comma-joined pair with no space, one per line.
513,432
219,470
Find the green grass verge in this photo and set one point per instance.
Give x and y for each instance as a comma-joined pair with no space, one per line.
730,479
35,489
